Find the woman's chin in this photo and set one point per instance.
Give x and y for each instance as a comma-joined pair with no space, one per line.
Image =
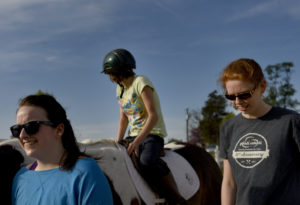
243,109
29,151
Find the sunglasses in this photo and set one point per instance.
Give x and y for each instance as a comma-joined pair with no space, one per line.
31,127
241,96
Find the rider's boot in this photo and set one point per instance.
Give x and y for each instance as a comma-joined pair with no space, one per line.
167,188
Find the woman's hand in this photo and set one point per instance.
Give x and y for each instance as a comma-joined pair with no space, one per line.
147,97
133,148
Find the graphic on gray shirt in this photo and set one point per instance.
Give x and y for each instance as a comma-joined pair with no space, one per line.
250,150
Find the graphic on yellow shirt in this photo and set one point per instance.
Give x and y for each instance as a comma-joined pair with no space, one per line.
135,110
133,106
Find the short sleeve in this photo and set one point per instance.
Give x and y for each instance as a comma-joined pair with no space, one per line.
223,142
118,91
141,83
94,187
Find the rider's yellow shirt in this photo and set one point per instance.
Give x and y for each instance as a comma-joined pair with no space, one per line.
135,110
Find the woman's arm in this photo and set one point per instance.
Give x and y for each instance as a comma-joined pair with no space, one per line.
228,192
147,97
123,123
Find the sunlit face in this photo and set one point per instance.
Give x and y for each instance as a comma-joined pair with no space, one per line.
246,106
37,145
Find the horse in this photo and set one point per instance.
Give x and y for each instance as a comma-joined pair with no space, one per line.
10,160
111,161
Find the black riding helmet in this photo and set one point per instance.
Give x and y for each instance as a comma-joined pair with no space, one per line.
118,61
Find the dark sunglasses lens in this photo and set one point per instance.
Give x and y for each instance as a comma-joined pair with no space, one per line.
230,97
244,96
16,130
31,127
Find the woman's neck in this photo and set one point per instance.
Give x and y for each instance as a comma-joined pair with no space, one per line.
127,82
51,161
261,109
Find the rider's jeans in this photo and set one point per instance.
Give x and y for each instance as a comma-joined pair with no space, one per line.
151,164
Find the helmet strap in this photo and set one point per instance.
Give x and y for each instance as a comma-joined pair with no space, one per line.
122,91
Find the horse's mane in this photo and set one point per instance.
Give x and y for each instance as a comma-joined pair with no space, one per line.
103,142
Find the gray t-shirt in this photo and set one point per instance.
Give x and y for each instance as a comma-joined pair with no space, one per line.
264,155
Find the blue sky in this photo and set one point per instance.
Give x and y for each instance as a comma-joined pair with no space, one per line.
182,46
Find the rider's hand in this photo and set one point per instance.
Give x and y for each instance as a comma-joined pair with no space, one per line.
133,148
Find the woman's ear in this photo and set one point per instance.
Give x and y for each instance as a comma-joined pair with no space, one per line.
263,86
60,129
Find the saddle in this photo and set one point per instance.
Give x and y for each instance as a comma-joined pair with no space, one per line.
134,158
186,179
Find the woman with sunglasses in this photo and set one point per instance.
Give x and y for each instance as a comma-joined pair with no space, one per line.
140,110
261,145
62,174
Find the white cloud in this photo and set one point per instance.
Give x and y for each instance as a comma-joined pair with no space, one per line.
10,5
165,5
52,17
26,25
14,12
294,9
51,58
274,7
23,60
256,10
8,60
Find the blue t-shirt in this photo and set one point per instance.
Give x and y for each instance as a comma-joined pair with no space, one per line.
85,183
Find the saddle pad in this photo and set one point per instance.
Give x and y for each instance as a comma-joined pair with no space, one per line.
140,184
186,178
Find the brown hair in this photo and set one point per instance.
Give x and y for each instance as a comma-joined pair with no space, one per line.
57,114
242,69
